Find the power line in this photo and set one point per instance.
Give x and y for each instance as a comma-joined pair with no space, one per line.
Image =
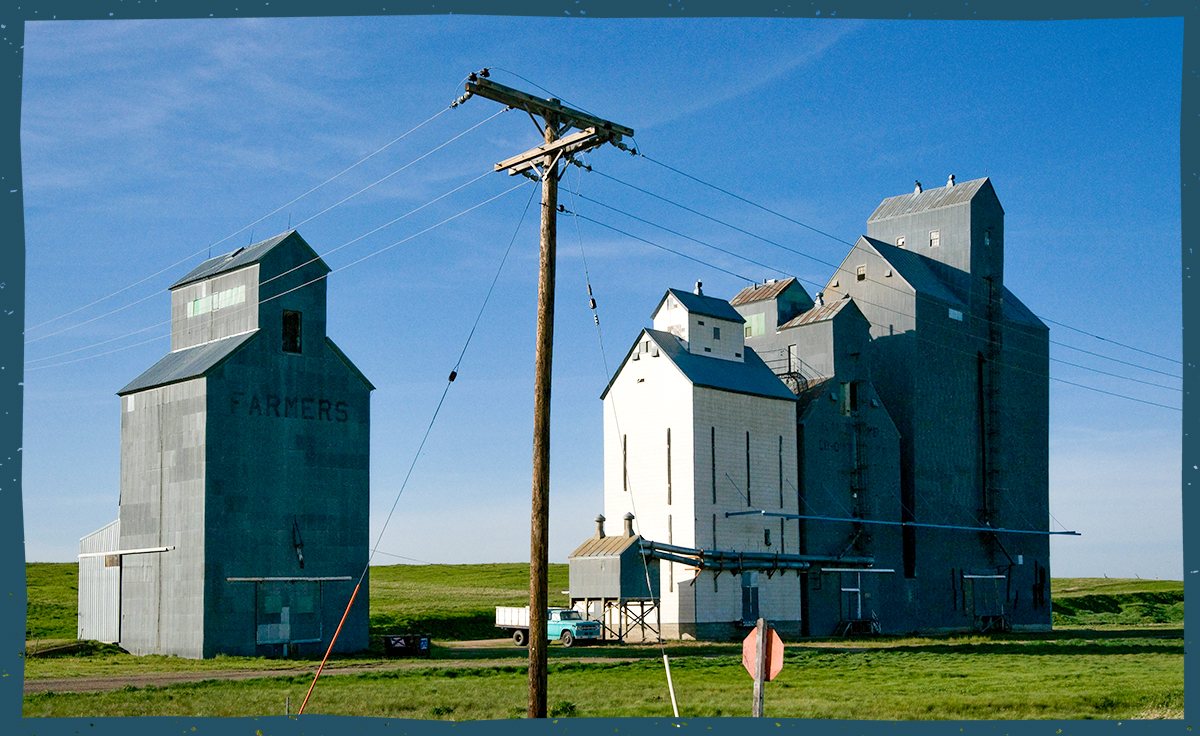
307,283
227,237
1114,342
617,425
836,267
898,312
943,346
663,247
743,199
1115,360
766,209
326,254
417,454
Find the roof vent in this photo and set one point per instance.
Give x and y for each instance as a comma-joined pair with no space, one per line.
917,190
231,255
698,292
599,526
950,182
820,301
628,524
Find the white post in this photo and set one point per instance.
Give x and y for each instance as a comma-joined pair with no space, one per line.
760,668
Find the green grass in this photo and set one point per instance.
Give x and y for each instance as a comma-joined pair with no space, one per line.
1105,602
1071,587
452,601
1111,679
53,589
457,602
1067,673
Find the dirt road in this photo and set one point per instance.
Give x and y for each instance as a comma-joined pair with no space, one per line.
472,650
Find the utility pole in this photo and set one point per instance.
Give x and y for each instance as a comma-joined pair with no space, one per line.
557,148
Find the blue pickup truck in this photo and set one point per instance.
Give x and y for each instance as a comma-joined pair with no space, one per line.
565,624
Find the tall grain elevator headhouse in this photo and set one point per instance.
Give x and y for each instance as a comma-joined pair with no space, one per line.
244,473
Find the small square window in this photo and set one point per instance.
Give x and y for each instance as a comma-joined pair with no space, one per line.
700,322
291,332
862,273
900,242
935,238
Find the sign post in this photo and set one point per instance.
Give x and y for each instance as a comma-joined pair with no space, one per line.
762,656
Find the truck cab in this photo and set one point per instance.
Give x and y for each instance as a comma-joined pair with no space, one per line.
564,624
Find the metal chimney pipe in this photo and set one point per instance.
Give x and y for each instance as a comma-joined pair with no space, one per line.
628,524
599,526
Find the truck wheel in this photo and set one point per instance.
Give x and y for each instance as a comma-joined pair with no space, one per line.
567,639
520,637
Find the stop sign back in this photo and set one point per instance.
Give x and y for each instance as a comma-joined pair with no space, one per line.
773,654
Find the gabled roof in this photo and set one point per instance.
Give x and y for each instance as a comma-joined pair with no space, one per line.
930,199
749,377
706,305
759,292
1015,310
605,547
241,258
915,269
188,363
817,314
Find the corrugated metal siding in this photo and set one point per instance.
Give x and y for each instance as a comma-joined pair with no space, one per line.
100,587
913,268
907,204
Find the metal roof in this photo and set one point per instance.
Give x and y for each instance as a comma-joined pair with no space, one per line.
1015,310
759,292
816,314
706,305
929,199
188,363
915,269
750,377
240,258
605,546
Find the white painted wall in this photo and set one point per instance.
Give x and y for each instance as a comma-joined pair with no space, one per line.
651,395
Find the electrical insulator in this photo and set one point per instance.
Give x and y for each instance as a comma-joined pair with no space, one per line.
593,301
453,375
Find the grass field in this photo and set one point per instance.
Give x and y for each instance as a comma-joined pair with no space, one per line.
1105,602
1113,679
452,601
1075,672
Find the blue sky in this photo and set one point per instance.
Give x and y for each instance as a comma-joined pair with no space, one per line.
146,142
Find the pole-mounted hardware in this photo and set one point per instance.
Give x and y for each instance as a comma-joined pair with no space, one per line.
557,119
